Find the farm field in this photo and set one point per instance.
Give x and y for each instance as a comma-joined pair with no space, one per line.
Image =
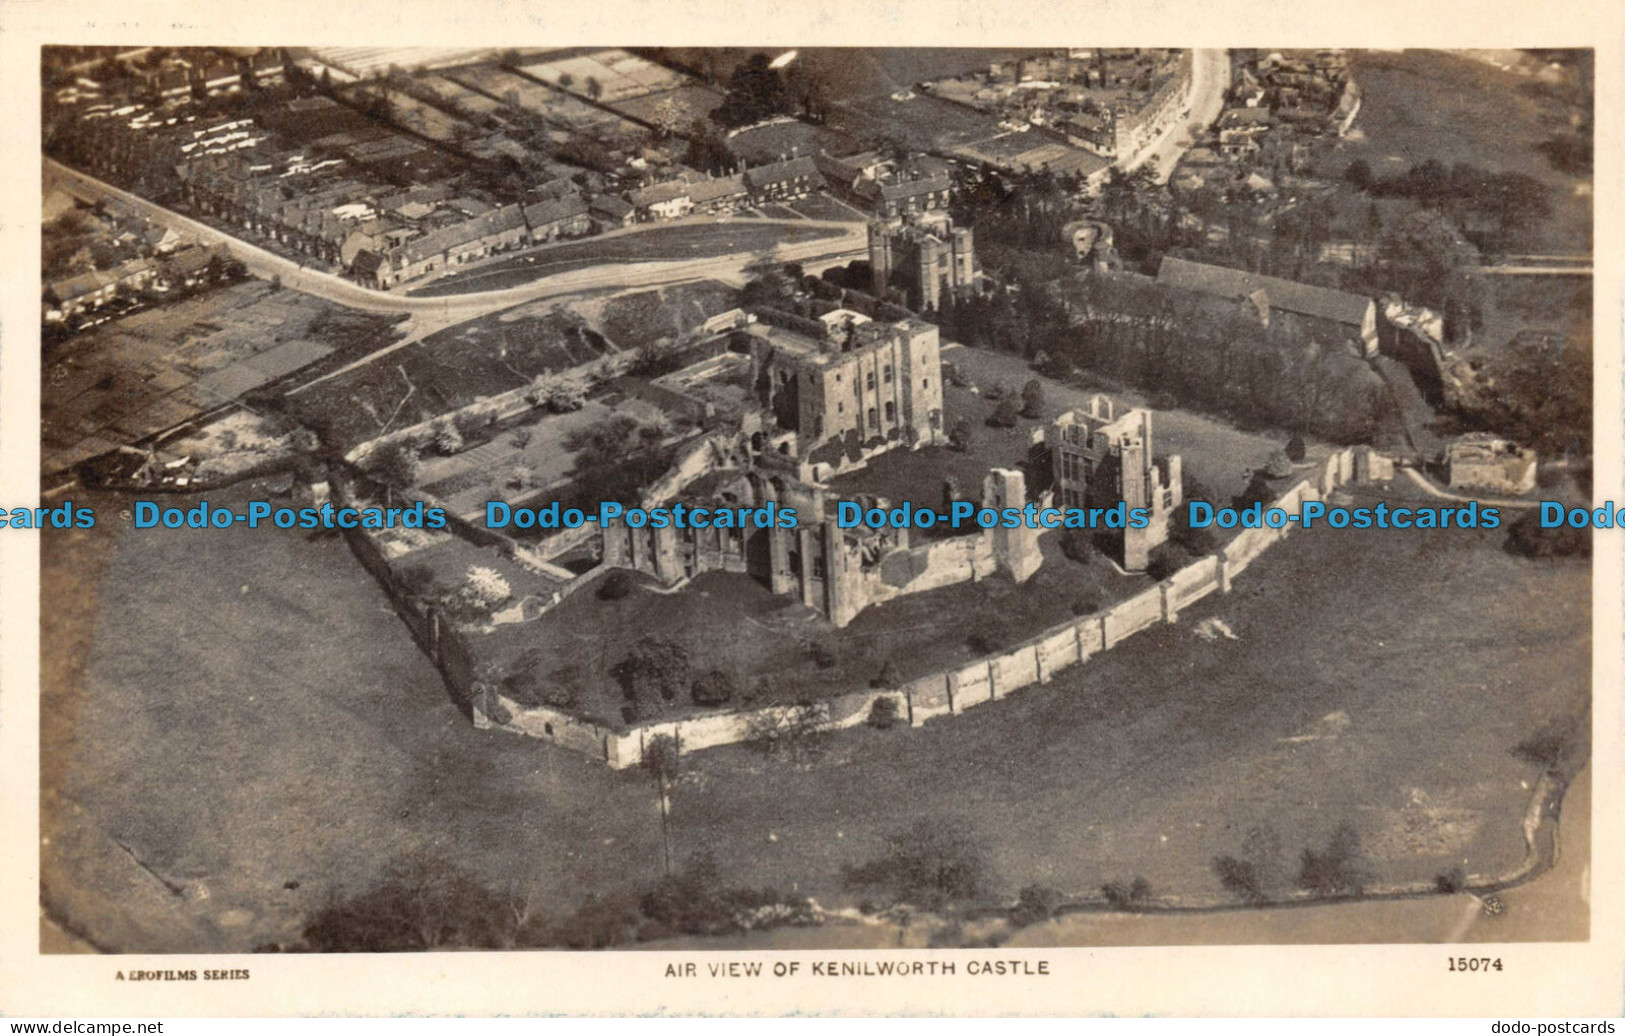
1382,701
127,379
693,102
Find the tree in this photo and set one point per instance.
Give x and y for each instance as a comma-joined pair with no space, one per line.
670,116
1279,465
888,677
485,588
1295,450
883,713
794,733
1256,873
755,92
420,902
1335,869
655,666
1166,559
714,687
395,464
663,759
447,438
1358,174
1005,413
615,586
1032,398
929,865
595,89
1035,904
960,437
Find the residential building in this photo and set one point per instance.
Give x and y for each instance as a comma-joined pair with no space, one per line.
611,212
1099,458
557,218
669,200
721,194
783,181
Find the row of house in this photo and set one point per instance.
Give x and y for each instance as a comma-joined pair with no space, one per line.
785,180
73,297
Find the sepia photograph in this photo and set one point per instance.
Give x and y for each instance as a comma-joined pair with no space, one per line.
916,506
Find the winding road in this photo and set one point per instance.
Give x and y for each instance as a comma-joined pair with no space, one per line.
430,314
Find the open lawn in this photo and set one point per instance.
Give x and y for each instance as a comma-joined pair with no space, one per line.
923,123
236,726
706,240
733,622
1215,453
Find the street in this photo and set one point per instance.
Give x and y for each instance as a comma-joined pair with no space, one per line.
1210,81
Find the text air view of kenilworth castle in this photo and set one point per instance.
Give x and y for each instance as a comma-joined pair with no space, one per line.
743,278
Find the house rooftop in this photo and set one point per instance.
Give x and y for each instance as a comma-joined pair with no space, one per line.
1303,299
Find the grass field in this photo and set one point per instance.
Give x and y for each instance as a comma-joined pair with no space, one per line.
239,711
656,244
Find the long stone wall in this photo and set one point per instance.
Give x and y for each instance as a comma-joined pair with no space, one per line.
949,693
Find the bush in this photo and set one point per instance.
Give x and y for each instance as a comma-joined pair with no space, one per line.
1241,877
1032,398
993,636
1167,559
560,689
521,438
888,676
960,436
1450,881
1034,905
715,687
565,399
1088,603
655,665
470,425
446,439
395,464
883,713
928,865
1163,401
615,586
1196,542
1123,895
1005,414
1295,450
823,655
1526,538
1078,545
1279,465
1559,746
1336,869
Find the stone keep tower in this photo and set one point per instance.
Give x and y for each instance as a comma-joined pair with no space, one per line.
1015,551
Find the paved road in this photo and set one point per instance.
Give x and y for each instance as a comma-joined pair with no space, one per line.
1210,81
